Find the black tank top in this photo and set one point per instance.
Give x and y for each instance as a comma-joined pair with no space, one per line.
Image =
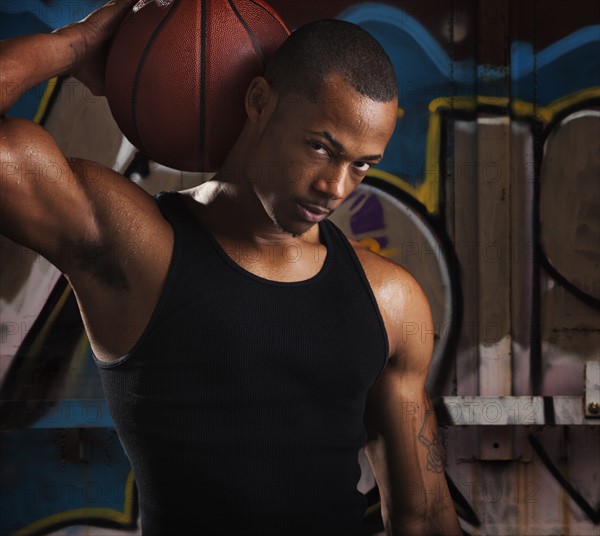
241,406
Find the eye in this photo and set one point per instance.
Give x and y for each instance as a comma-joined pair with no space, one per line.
362,166
318,147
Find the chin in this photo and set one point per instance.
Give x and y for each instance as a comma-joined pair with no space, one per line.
295,232
295,229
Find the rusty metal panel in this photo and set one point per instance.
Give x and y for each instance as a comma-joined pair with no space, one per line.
592,389
514,410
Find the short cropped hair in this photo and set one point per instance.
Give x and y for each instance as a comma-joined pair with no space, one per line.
331,46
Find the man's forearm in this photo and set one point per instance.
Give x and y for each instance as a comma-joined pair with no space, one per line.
28,60
440,521
78,49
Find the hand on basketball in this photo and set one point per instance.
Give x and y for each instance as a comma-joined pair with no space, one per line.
144,3
91,38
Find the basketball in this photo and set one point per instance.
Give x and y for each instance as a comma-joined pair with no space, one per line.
176,76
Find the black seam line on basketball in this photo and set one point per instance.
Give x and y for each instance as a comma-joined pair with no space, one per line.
255,42
278,21
136,78
202,114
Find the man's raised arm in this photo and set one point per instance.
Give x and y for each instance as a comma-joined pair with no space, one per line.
45,198
105,233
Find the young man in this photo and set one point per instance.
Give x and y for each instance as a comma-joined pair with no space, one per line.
247,349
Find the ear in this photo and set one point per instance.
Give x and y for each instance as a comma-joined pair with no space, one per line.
258,97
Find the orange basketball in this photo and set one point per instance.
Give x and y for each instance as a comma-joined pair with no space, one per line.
176,76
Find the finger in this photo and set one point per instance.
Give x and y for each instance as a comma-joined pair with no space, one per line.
144,3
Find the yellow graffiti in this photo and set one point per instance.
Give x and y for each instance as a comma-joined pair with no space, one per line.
374,246
548,113
124,518
372,509
428,192
50,87
45,330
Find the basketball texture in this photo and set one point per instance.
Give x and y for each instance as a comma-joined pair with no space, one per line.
176,76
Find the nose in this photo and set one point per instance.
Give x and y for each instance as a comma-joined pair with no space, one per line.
332,182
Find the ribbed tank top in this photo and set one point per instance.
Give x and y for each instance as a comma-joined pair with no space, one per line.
241,406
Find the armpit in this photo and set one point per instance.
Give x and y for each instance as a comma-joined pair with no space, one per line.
100,262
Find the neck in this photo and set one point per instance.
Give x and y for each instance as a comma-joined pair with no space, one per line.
230,208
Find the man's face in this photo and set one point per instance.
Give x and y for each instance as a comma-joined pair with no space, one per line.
312,155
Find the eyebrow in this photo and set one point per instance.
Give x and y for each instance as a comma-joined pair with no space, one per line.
340,147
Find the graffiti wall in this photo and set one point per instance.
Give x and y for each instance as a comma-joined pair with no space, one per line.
489,193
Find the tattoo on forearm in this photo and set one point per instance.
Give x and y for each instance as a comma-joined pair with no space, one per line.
435,460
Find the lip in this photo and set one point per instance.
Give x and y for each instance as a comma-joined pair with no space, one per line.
312,213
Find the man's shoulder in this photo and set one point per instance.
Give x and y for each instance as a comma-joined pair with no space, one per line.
380,270
399,295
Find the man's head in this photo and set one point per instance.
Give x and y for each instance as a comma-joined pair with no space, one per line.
319,119
325,47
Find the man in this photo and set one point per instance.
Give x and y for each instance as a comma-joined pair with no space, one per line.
246,348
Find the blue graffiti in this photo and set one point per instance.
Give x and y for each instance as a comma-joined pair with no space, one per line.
425,72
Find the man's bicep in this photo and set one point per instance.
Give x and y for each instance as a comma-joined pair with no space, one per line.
49,203
37,188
